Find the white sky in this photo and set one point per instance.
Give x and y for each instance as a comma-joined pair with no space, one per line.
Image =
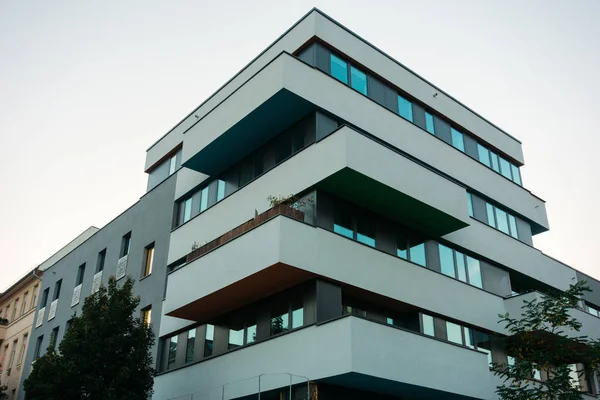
87,87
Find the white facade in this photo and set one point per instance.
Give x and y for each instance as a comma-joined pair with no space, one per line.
356,304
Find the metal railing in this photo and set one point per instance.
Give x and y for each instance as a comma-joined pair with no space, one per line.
220,392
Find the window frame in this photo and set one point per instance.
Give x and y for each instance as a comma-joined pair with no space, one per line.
148,260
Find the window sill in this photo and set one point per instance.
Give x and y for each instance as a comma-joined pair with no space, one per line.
145,276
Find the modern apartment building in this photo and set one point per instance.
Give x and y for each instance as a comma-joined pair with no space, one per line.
410,231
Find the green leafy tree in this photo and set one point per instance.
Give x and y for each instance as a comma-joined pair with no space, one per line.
544,339
105,355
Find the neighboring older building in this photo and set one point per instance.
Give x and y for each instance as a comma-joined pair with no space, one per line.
17,305
17,311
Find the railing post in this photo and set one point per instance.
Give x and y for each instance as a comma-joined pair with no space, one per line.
290,397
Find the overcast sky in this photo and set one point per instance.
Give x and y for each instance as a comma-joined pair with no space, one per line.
87,87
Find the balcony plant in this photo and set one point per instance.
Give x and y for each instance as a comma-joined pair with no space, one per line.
3,321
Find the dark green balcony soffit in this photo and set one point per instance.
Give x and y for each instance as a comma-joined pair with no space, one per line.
368,383
266,121
385,200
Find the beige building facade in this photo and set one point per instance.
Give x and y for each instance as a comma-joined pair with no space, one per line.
17,312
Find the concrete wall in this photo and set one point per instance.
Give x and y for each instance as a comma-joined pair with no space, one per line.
149,220
335,348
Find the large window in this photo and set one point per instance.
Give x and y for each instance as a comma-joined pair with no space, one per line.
57,287
22,352
190,345
80,274
502,220
339,69
148,260
172,355
24,305
359,227
125,244
34,297
428,325
461,266
209,339
53,338
100,261
405,108
429,125
38,347
411,247
358,80
498,164
187,210
458,140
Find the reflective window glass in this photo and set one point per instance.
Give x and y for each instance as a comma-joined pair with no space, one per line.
593,311
358,80
342,223
484,155
502,220
172,164
447,261
405,108
474,270
220,190
460,266
339,69
470,204
251,333
505,168
417,254
365,231
208,340
454,333
484,343
536,372
204,199
280,319
236,338
512,221
429,126
495,163
469,341
490,214
187,210
172,352
516,174
458,139
297,315
189,350
428,327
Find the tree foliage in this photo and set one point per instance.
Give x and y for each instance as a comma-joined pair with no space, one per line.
545,339
105,355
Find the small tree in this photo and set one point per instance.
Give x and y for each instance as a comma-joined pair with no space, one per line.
105,355
539,340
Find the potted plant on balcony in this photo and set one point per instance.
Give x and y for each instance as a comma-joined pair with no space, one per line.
3,321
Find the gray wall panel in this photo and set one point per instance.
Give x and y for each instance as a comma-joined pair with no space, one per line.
419,115
309,55
329,301
442,129
471,146
433,255
324,125
323,58
479,211
524,231
495,280
382,94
